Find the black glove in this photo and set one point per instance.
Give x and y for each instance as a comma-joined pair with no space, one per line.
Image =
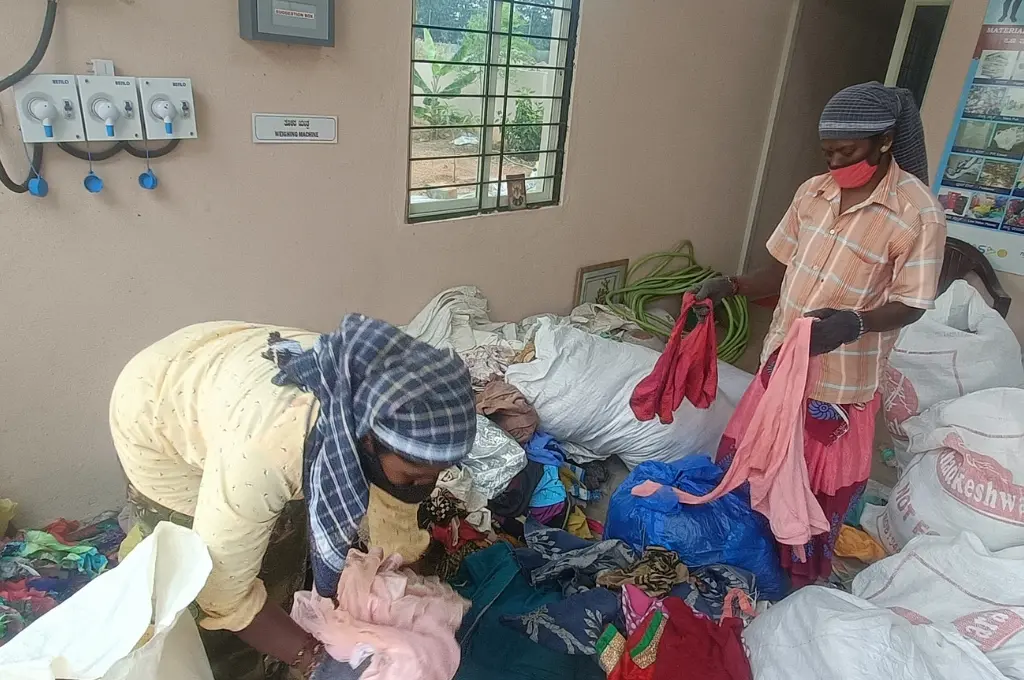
716,290
833,329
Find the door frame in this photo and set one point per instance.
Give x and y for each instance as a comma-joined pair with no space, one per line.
781,76
899,48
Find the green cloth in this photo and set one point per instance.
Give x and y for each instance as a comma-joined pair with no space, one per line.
492,580
39,545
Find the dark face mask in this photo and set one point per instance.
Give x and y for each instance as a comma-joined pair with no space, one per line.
407,493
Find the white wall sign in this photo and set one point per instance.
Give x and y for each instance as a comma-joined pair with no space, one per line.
277,128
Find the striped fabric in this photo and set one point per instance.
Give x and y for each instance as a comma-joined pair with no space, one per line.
888,248
869,109
370,377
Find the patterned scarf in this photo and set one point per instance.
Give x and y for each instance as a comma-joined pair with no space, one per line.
369,376
869,109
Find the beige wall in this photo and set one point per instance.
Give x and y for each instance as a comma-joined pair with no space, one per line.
837,43
669,112
940,103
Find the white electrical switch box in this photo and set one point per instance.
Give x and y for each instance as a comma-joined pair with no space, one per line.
110,108
168,108
48,109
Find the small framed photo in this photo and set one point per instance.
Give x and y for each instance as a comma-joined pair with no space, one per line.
593,283
516,192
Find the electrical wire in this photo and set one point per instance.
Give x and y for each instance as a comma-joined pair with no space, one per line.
668,278
104,155
152,153
9,81
117,148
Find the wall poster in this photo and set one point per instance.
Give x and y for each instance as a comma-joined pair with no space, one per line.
980,180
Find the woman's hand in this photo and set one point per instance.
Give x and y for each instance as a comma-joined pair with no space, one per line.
833,329
275,633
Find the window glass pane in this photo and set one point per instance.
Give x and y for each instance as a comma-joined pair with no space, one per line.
449,46
526,139
532,52
445,142
446,111
539,21
444,172
523,109
448,13
564,4
534,188
529,82
437,202
531,165
447,80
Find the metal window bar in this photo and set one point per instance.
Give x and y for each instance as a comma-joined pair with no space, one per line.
478,64
491,72
482,96
488,154
480,31
473,126
470,184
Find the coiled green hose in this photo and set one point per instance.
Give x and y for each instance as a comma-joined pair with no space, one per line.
630,302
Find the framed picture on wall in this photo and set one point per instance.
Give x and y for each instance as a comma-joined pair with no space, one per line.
593,283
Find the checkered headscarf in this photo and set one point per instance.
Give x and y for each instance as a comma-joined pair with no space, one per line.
370,376
869,109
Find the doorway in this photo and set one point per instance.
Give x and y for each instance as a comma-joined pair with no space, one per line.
833,44
917,43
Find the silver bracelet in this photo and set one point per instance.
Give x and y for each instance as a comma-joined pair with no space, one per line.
860,322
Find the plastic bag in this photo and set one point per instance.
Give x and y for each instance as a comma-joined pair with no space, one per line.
131,623
495,459
960,347
724,531
823,633
581,385
966,474
958,584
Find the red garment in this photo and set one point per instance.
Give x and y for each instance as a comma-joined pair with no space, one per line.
19,596
455,534
62,529
687,368
696,648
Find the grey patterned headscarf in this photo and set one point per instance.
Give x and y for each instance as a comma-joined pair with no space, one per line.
869,109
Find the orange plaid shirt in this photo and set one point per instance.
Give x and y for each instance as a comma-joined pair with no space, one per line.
887,249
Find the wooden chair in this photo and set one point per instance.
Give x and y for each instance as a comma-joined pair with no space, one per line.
961,259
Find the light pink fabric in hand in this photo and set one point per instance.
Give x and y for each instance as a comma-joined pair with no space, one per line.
770,452
408,621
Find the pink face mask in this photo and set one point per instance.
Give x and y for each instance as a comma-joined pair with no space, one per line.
853,176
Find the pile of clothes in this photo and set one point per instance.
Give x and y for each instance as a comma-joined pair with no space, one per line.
595,609
515,471
41,569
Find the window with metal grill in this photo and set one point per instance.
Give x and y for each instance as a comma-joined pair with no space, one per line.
491,81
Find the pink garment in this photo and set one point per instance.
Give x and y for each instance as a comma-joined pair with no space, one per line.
770,453
637,606
407,622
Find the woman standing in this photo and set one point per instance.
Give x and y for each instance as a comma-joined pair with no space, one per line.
859,250
247,433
